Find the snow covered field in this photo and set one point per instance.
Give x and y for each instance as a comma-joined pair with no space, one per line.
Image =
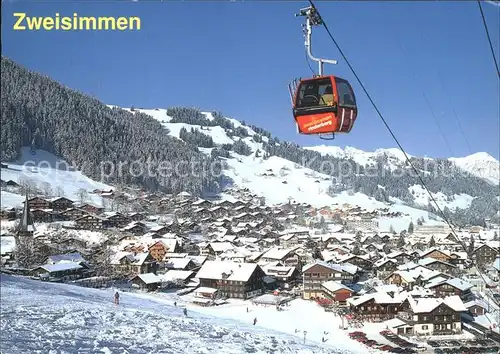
40,317
44,167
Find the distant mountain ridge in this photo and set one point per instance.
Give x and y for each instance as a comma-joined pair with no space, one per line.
480,164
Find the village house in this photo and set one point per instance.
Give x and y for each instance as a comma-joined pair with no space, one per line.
337,292
362,262
60,203
437,265
180,264
377,306
59,271
477,307
38,203
72,214
214,249
485,254
91,222
132,263
287,257
282,277
319,272
436,254
91,209
234,280
434,316
416,276
451,287
147,281
42,215
135,228
384,266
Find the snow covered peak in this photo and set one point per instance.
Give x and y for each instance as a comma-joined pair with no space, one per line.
478,156
480,164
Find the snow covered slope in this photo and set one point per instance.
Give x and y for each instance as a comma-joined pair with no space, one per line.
395,156
43,167
279,180
58,318
480,164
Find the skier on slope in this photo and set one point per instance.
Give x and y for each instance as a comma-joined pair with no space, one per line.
117,298
185,312
254,321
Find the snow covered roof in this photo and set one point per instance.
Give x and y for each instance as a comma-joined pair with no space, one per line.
235,271
220,246
73,257
455,282
278,253
379,298
346,267
334,286
149,278
173,275
59,267
178,263
428,304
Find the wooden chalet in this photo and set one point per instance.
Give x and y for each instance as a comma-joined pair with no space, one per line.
434,316
485,254
61,203
451,287
234,280
319,272
379,306
436,254
360,261
337,292
38,203
91,222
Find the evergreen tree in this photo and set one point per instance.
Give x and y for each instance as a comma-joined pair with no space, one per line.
432,242
410,227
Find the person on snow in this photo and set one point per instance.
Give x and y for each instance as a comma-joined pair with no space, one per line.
185,311
254,321
117,298
175,303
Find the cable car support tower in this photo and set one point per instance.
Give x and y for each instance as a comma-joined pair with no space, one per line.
313,18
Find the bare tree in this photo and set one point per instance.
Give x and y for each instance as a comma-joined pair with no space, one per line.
28,187
102,262
59,191
82,195
46,189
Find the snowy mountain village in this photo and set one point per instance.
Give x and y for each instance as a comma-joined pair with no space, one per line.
424,289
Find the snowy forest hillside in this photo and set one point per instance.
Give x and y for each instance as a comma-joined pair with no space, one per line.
43,114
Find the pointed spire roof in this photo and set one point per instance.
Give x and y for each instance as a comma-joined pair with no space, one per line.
26,224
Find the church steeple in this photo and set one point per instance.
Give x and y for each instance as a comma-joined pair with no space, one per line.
26,226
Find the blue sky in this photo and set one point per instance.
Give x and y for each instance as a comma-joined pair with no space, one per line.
420,61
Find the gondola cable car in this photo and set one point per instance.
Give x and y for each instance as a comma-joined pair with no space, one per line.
324,104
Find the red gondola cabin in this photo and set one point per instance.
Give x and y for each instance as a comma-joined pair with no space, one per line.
324,105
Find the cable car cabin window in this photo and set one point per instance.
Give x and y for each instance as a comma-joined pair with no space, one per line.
315,93
346,95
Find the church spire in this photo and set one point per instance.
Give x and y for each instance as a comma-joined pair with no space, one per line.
26,225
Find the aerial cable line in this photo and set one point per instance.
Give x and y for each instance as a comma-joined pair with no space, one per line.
398,143
488,36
